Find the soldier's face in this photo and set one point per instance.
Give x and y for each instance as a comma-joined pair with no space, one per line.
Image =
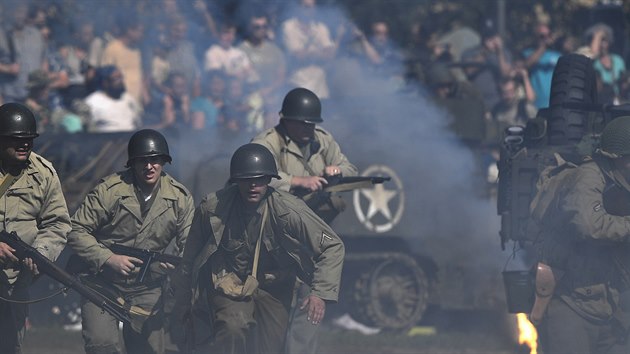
147,170
300,132
15,150
252,190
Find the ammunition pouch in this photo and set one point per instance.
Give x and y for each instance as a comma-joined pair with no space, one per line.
327,205
621,317
545,286
230,285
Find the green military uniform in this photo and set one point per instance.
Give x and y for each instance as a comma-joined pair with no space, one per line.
293,237
290,159
581,241
293,161
112,213
34,207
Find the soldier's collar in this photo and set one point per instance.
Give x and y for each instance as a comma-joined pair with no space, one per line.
24,166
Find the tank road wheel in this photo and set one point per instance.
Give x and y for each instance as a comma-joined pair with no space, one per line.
392,295
573,81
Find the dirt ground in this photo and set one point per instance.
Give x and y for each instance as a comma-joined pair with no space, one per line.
469,333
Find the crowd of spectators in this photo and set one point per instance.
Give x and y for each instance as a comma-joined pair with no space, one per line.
102,66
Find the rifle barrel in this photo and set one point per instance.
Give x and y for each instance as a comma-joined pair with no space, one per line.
44,265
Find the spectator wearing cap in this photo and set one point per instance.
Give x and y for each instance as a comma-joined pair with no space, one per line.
112,109
487,64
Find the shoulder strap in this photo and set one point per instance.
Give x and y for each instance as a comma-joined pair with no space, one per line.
7,181
257,252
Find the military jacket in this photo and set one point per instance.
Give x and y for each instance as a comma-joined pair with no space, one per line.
583,241
289,156
34,207
111,214
291,227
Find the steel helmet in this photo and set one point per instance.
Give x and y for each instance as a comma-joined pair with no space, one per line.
145,143
303,105
17,120
615,140
252,161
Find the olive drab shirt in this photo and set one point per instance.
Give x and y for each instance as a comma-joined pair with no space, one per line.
291,228
324,152
582,241
34,207
111,213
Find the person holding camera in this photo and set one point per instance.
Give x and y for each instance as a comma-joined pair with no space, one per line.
540,62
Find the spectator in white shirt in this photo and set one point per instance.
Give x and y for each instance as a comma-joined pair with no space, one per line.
112,109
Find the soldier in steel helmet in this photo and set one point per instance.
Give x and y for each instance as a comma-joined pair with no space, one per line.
585,241
306,155
140,207
243,240
32,205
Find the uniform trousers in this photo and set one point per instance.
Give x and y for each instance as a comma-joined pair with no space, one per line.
12,319
100,329
302,334
256,324
565,331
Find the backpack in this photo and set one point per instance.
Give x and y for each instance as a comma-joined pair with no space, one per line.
551,182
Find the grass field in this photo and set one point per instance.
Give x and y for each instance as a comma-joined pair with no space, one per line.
466,333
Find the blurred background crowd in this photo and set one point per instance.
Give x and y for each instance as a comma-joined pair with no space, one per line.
224,65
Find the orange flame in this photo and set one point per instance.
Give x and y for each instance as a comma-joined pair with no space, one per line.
527,333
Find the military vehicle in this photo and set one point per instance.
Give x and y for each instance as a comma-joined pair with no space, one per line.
569,128
408,241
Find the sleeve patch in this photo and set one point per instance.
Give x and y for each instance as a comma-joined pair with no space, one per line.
325,238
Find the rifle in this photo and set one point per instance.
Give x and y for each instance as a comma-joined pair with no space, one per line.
147,257
343,184
44,265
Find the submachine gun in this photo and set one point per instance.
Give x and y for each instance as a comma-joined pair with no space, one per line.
44,265
147,257
342,184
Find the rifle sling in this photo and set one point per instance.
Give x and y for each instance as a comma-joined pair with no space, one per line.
7,181
257,252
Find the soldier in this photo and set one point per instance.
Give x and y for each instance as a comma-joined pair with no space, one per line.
306,154
32,205
243,240
141,207
585,242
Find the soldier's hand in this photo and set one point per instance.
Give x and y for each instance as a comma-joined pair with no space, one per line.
6,254
332,171
28,262
123,264
166,266
316,308
312,183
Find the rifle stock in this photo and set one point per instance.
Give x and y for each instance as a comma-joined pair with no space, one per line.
147,257
343,184
44,265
